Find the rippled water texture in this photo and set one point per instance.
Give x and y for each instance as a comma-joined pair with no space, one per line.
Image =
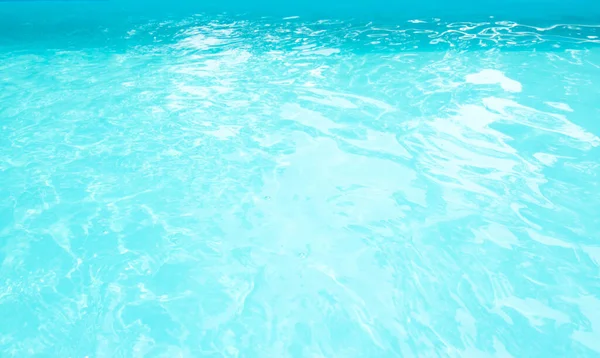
237,186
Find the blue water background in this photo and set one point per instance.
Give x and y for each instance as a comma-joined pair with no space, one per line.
300,179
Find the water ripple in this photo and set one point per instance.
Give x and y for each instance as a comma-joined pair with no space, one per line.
238,186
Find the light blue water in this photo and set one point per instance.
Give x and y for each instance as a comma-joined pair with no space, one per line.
233,185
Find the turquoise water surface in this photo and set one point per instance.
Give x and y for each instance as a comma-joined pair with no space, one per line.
208,182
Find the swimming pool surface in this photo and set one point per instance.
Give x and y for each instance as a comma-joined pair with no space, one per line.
224,183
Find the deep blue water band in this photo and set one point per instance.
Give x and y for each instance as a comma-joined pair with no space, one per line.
576,11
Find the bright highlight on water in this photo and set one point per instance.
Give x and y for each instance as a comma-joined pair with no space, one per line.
235,183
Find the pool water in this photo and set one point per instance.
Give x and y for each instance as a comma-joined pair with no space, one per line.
227,184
